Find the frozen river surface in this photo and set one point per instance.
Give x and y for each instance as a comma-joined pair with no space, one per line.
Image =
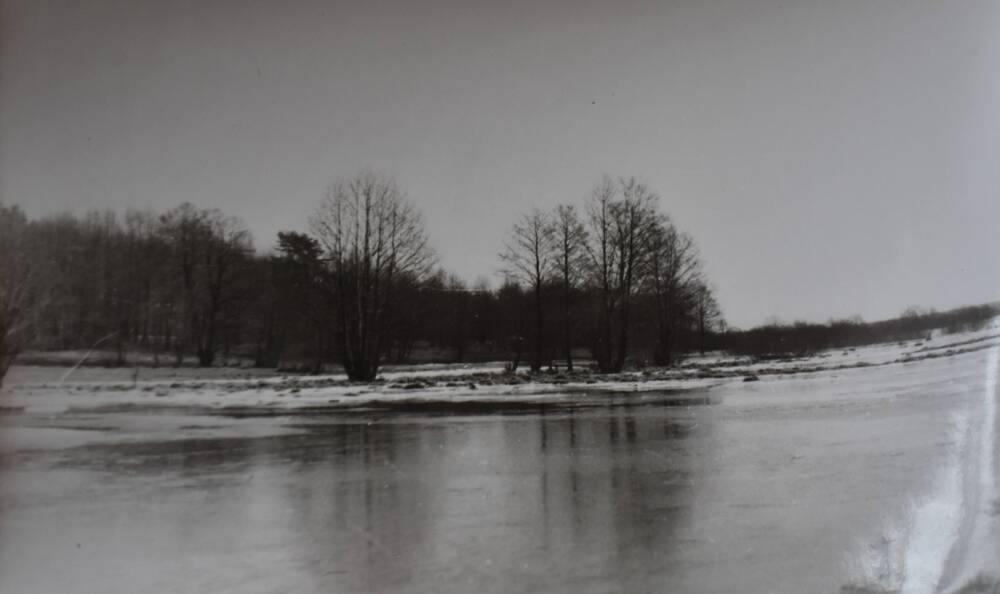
860,480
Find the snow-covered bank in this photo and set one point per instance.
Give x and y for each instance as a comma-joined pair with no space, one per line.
54,389
974,562
946,539
309,397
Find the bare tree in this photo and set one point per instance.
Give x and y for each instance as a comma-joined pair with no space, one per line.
528,257
674,274
457,297
182,229
225,256
209,250
622,217
373,239
146,281
569,239
708,316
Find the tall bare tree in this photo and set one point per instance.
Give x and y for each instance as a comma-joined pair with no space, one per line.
146,281
569,238
708,315
183,230
674,274
225,257
210,251
528,257
373,239
622,218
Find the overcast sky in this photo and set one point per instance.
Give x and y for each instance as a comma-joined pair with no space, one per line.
830,158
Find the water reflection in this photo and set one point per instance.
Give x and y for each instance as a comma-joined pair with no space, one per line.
597,498
563,500
559,499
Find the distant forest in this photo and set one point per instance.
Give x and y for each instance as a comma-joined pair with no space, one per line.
610,283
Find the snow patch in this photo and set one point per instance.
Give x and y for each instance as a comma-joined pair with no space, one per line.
914,562
937,521
980,552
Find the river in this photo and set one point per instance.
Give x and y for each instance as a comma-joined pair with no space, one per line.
862,480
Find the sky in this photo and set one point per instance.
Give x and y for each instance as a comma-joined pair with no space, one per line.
830,158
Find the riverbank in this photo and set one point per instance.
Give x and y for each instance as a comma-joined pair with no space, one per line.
54,388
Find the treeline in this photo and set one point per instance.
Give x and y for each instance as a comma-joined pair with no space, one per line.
611,281
777,339
172,284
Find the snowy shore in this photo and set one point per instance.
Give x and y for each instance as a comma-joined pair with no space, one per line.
55,389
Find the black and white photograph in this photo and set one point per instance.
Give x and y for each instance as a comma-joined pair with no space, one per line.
499,297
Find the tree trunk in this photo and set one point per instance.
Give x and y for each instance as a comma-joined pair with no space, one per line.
622,350
318,356
6,358
567,339
516,346
206,351
605,362
206,357
536,364
668,343
701,330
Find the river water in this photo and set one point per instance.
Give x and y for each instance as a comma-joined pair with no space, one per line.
824,483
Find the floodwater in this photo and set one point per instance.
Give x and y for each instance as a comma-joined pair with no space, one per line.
869,480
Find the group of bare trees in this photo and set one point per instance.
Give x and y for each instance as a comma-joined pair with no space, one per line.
187,282
167,283
359,288
209,252
622,254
